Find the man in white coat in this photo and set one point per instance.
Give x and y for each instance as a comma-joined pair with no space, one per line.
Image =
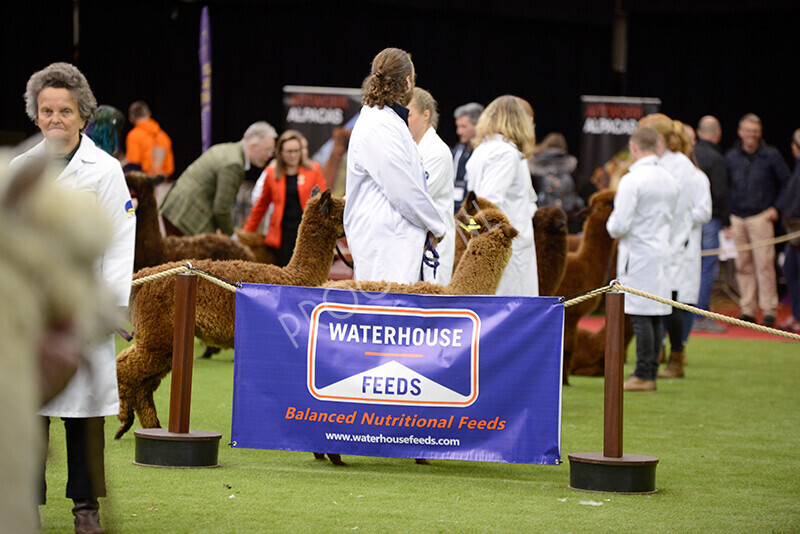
643,210
389,214
59,100
423,118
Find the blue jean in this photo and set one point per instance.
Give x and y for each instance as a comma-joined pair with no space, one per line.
710,264
791,270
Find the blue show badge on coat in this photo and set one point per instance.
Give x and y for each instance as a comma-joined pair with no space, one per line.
130,211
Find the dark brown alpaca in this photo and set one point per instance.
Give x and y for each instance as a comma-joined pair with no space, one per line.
587,269
141,366
589,355
550,236
153,249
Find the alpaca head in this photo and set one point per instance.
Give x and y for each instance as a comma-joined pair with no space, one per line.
50,238
471,205
325,211
601,204
550,220
141,187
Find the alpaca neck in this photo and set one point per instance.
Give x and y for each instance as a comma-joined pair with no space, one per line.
480,268
313,254
149,249
596,242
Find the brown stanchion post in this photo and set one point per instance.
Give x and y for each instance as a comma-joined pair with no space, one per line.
180,398
615,347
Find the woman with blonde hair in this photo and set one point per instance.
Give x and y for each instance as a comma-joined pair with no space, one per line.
287,186
389,214
693,210
423,118
498,172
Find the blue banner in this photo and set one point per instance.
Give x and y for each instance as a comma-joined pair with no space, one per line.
395,375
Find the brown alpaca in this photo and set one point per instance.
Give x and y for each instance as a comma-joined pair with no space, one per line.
153,249
587,269
589,355
141,366
478,273
471,205
550,236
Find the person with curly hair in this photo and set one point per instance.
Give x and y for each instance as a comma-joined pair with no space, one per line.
389,214
59,100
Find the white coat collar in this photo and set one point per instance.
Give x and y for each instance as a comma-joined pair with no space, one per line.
647,160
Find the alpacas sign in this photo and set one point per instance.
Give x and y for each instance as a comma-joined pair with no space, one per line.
410,376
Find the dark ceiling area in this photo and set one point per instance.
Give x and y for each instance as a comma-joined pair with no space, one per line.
699,57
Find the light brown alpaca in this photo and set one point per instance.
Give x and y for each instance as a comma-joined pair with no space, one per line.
471,205
153,249
478,273
550,236
141,366
587,269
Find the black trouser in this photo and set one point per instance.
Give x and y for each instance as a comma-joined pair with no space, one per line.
85,472
647,329
674,323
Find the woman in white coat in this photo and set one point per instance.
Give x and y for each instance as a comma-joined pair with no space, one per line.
389,214
498,171
672,152
644,207
423,118
59,100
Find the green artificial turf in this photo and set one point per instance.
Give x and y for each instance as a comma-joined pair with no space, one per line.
727,437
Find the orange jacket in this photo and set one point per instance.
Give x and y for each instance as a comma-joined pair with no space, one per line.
140,144
275,192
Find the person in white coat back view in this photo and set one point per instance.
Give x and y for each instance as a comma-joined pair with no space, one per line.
423,118
694,206
498,171
643,210
59,100
389,215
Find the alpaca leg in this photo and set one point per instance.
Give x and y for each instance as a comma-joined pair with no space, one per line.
126,400
210,351
319,455
336,459
145,405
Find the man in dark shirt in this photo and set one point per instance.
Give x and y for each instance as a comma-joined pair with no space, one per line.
466,117
757,175
712,162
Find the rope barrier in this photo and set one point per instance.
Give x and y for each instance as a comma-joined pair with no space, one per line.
751,246
614,285
731,320
182,269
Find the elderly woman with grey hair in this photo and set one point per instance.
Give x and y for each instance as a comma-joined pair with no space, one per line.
60,102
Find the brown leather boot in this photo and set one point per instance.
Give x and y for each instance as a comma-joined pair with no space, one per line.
87,517
674,367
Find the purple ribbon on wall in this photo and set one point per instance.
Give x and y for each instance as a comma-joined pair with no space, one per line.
205,78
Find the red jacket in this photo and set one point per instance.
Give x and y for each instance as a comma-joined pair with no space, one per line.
275,192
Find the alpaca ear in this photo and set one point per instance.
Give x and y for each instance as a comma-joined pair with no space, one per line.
509,231
315,191
470,203
325,202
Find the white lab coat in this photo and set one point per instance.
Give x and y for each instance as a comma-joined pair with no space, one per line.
438,164
683,171
701,214
92,391
498,172
643,209
388,210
